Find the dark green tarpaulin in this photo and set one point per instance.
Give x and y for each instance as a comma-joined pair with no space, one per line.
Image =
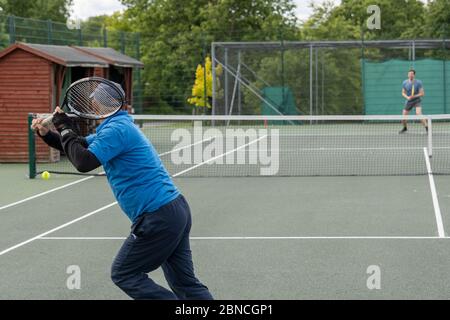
280,101
383,85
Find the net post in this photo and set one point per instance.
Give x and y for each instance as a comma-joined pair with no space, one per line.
430,137
31,149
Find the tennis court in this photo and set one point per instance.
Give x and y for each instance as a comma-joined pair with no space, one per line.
310,231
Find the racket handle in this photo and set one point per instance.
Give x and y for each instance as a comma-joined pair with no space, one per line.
47,121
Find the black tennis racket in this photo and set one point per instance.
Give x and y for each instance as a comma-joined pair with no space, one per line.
92,98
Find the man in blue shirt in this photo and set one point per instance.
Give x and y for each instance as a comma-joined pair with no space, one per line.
412,91
160,215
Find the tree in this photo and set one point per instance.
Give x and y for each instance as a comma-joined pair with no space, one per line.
399,19
200,97
257,20
175,37
329,23
437,21
56,10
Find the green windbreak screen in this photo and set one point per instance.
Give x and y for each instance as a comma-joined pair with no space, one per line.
278,101
383,85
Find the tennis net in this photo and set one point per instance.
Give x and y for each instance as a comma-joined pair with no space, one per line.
216,146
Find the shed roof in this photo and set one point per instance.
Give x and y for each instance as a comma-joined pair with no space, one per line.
76,56
112,57
63,55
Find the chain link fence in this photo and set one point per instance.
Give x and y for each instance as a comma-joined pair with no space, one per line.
328,77
274,76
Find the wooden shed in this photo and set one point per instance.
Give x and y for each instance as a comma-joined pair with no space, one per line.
33,79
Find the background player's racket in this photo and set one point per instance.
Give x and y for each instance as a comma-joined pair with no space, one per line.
411,102
92,98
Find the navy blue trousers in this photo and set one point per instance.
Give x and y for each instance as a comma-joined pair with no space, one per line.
159,239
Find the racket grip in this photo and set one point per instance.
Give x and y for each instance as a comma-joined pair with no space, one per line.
47,121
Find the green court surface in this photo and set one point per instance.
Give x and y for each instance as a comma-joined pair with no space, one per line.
252,237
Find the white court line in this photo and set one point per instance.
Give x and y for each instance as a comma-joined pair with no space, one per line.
45,192
81,238
87,178
258,238
219,156
317,238
56,229
42,235
299,150
437,209
107,206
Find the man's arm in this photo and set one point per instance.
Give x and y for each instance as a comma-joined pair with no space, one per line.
73,145
49,137
420,90
420,94
52,139
404,94
75,149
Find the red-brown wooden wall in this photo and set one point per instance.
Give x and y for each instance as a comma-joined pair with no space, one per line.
25,86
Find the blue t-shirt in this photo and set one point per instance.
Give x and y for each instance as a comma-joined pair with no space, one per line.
408,85
134,170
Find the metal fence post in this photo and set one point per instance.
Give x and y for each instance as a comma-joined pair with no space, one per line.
444,63
225,84
105,37
317,102
138,74
213,64
122,42
363,73
205,91
49,31
239,87
310,80
283,75
12,29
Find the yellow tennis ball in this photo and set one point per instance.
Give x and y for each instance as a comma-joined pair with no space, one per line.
45,175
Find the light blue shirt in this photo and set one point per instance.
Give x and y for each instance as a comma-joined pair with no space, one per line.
408,85
134,170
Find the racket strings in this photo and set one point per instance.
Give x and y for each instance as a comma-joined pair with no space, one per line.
82,103
95,97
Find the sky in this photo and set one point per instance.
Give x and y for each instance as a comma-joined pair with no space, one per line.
84,9
303,8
